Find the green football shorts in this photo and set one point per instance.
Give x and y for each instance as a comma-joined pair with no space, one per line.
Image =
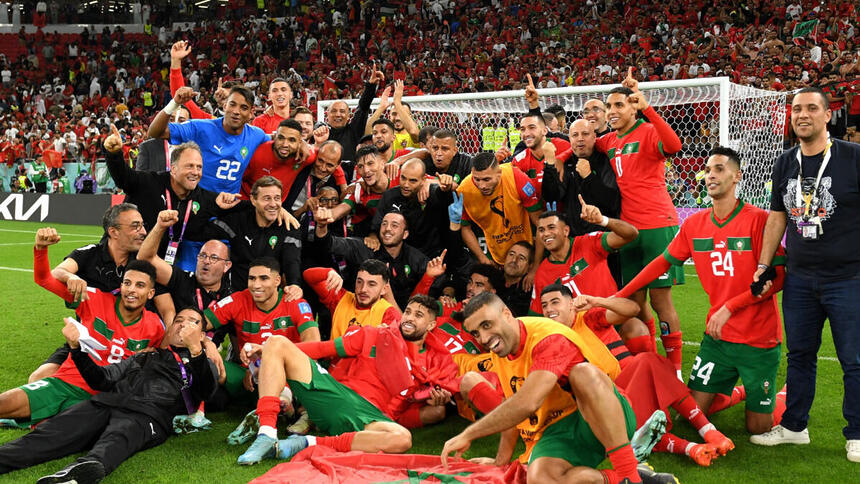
50,396
650,244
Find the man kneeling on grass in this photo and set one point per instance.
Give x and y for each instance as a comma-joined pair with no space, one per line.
139,397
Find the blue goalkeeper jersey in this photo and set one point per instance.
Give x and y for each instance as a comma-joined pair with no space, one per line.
225,156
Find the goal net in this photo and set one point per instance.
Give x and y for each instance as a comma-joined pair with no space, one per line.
703,112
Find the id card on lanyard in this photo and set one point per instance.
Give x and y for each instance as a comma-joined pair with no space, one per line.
187,380
809,225
173,245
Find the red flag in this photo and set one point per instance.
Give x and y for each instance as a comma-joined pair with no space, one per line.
322,464
53,158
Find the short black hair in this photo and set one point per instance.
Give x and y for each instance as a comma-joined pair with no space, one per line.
816,90
564,290
384,121
558,111
620,90
548,117
112,213
539,117
196,311
529,248
444,134
426,132
279,79
365,151
493,275
142,266
244,92
375,267
552,213
366,139
265,181
479,301
426,301
484,160
268,262
729,153
290,123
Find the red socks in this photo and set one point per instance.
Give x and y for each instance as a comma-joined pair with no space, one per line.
624,463
484,397
779,409
688,408
340,443
641,344
672,344
672,444
267,411
652,328
722,402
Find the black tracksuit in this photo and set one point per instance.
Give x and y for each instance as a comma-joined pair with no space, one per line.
140,396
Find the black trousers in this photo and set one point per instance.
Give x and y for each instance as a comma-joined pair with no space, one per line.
111,435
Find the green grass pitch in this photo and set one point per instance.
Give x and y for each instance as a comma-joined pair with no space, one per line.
31,319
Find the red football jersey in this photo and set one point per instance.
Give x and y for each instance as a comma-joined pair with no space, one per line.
639,163
264,162
253,325
532,166
584,270
357,368
267,122
364,202
451,334
726,257
121,339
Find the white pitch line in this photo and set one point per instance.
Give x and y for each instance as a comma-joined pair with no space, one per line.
17,269
32,232
825,358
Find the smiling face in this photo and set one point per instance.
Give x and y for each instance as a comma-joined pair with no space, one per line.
187,170
136,288
267,203
495,328
237,113
621,114
809,117
553,232
721,177
286,142
129,231
263,283
594,112
533,131
416,322
337,114
369,168
307,122
393,229
328,159
558,307
383,137
280,94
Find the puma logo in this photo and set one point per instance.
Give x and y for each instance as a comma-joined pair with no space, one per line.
217,148
249,239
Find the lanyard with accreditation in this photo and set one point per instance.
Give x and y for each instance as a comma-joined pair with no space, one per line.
173,245
810,224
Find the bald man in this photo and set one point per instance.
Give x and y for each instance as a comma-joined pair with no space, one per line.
428,219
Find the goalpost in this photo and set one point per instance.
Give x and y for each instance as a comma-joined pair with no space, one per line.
704,113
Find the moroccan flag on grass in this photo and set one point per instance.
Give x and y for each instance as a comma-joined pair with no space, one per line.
322,464
802,30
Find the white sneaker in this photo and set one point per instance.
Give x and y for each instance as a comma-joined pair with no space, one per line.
853,449
781,435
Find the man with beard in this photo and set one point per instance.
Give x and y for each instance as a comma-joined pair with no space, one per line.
411,271
283,158
255,232
383,133
348,131
588,174
540,149
425,218
518,261
362,197
305,118
502,201
141,395
280,95
304,195
256,314
594,111
117,326
406,131
365,307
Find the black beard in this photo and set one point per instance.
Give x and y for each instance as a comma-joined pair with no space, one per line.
413,337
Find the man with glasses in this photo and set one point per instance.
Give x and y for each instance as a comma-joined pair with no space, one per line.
594,112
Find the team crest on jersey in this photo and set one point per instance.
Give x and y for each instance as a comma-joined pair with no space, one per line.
765,385
195,207
244,152
273,240
457,178
407,270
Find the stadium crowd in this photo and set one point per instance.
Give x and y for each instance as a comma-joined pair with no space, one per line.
361,275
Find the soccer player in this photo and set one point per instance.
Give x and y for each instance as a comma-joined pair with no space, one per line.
279,158
637,151
362,197
743,334
406,131
647,378
280,95
119,324
579,262
141,395
256,314
502,201
383,132
365,307
539,148
565,438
